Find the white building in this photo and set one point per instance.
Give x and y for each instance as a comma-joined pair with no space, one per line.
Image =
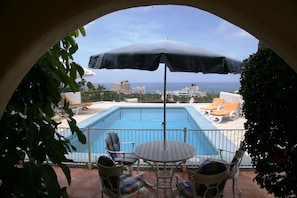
191,91
121,87
139,89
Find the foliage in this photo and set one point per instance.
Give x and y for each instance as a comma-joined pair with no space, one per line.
90,86
104,95
29,138
82,84
269,88
101,94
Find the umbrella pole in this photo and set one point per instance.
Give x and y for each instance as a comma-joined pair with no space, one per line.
164,108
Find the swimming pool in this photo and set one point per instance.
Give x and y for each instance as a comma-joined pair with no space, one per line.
147,118
143,124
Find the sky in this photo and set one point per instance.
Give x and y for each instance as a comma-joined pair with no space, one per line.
155,23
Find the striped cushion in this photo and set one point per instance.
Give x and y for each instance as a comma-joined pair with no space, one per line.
207,167
238,155
234,167
130,158
129,184
113,142
185,190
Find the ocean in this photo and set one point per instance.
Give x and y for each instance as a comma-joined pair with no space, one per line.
209,87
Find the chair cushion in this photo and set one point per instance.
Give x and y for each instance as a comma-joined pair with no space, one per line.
242,146
215,104
105,161
185,190
129,184
207,167
113,142
236,159
130,158
113,180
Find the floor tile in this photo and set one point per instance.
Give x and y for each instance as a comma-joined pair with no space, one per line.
85,183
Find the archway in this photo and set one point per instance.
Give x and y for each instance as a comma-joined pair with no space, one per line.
31,27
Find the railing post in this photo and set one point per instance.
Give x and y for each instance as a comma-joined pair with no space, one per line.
185,141
89,149
185,135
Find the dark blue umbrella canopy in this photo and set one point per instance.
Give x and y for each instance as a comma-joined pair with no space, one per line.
177,56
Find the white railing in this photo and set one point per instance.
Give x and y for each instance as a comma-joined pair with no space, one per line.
206,142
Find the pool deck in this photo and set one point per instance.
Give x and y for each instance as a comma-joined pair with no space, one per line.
86,183
98,107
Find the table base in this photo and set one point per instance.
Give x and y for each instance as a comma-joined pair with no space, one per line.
164,173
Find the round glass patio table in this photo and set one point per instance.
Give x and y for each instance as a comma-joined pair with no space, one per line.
163,161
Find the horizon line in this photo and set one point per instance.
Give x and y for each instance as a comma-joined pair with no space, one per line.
171,82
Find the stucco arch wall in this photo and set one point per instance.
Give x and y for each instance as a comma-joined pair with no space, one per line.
29,28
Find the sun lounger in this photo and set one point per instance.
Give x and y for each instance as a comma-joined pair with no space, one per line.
76,106
216,104
231,110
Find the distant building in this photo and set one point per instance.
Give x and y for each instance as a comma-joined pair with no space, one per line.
191,91
121,87
139,89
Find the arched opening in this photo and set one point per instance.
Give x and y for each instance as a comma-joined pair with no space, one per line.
30,29
155,23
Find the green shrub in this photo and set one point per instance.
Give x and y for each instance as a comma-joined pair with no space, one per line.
28,135
269,90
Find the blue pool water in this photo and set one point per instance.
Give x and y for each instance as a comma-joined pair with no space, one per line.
139,118
147,118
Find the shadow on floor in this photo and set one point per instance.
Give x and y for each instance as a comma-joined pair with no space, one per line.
85,183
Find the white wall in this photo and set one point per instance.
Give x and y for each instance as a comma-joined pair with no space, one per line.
231,97
75,98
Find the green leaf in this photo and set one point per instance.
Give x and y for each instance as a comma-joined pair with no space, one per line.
50,179
26,123
64,193
79,133
30,178
82,31
268,87
66,171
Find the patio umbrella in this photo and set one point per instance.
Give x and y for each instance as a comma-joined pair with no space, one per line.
177,56
87,73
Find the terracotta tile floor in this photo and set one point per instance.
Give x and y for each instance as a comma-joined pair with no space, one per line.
85,184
